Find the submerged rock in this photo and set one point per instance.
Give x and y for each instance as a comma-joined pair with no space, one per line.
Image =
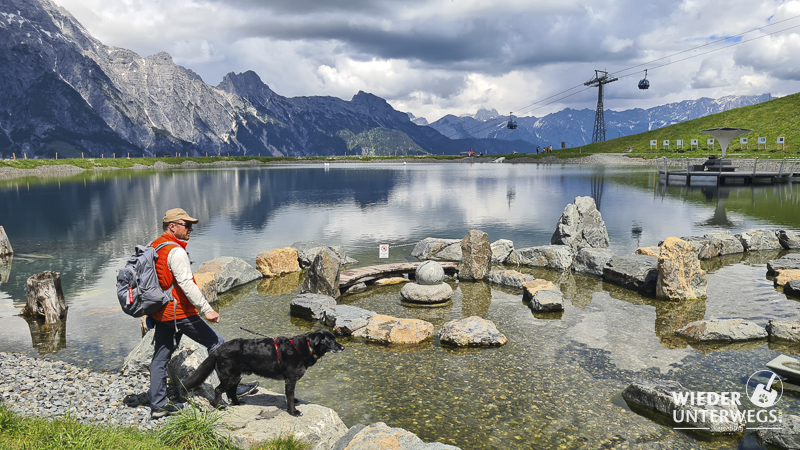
391,330
722,330
418,293
547,300
530,288
510,278
660,396
787,436
471,331
790,261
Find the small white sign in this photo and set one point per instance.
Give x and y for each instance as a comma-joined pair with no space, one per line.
383,251
666,142
679,142
762,140
780,140
654,142
743,140
710,141
694,141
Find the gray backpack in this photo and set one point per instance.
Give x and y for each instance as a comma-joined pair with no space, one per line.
138,290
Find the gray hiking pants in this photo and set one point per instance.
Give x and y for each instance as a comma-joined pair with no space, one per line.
195,328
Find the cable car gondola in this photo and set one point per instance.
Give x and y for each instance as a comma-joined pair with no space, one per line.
643,83
512,124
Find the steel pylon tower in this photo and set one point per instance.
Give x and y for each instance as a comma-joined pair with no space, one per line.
599,132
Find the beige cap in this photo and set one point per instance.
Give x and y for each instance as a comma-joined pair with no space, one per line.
176,214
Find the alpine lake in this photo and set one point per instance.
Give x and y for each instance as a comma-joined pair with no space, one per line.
557,383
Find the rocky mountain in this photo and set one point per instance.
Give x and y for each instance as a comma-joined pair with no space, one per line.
63,91
574,127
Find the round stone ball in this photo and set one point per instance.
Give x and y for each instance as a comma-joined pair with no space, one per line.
429,273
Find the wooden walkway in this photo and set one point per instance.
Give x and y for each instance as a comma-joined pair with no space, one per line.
723,178
363,274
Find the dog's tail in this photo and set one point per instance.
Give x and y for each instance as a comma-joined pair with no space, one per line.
201,373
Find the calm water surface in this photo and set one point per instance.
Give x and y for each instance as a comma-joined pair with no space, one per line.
557,383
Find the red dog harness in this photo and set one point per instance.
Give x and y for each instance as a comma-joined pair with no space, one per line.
310,349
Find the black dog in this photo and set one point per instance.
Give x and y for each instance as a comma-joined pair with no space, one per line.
282,357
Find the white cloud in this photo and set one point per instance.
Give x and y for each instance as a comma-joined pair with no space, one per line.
433,57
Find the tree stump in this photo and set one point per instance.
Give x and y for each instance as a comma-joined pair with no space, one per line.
45,297
5,246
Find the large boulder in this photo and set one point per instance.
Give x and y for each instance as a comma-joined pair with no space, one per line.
722,330
230,272
277,262
471,331
581,225
547,300
307,251
391,330
790,261
426,294
5,245
706,248
790,240
786,436
476,256
437,249
592,260
635,272
207,283
759,239
264,418
184,362
345,319
429,273
501,248
725,242
787,330
679,274
310,306
661,396
380,436
510,278
322,276
557,257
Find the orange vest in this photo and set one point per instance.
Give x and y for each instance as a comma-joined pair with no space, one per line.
184,308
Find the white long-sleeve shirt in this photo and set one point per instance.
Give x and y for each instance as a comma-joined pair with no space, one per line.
181,268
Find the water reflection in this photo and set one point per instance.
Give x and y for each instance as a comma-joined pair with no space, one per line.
47,337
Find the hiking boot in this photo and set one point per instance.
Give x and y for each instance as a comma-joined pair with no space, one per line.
166,410
241,391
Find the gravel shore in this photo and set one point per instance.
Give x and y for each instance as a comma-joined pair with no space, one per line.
49,389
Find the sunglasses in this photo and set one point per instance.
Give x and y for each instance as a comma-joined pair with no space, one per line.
188,226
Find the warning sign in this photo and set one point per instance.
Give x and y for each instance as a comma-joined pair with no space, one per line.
383,251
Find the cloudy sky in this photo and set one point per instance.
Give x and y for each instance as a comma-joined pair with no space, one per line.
437,57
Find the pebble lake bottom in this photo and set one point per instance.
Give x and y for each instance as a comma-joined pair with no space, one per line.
556,384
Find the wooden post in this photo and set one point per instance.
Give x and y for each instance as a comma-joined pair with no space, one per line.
14,156
45,297
5,268
56,155
81,155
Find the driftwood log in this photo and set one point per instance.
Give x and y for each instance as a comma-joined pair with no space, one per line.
5,246
45,297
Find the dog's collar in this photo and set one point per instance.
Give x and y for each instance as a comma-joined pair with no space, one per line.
313,353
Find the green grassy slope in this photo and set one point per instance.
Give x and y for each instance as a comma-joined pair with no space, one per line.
776,118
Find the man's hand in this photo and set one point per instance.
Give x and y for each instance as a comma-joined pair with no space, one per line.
212,316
